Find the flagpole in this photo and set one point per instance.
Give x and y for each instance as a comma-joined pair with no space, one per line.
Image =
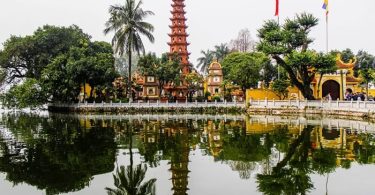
278,23
327,33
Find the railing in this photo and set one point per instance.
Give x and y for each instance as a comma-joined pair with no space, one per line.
329,105
152,105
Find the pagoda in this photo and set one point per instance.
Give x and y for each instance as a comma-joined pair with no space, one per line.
178,43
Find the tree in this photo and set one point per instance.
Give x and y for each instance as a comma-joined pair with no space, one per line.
28,94
195,82
221,51
288,45
244,68
268,73
92,63
128,181
127,22
166,69
366,65
26,57
280,87
205,61
243,43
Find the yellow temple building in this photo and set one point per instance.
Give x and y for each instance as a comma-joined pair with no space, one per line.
334,84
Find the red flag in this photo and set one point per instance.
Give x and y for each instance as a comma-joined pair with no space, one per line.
277,8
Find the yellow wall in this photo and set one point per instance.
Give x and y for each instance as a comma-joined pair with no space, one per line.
262,94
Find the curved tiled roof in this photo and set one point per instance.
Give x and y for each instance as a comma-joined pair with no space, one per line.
342,65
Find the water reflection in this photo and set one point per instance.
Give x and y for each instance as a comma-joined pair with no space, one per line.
61,154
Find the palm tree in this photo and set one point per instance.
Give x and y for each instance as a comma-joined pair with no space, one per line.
205,61
127,23
128,181
221,51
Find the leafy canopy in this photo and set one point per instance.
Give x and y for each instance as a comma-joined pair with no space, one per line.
288,45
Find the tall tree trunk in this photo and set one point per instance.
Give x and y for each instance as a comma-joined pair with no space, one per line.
307,92
129,94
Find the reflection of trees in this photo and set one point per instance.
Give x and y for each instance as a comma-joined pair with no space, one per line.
290,176
129,180
365,152
61,156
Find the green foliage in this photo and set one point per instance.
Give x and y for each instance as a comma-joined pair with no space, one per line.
221,51
346,55
28,94
205,61
280,87
92,64
128,181
59,60
268,73
28,56
166,69
63,155
288,45
244,68
127,23
365,65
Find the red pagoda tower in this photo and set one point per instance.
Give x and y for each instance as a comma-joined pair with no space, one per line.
178,43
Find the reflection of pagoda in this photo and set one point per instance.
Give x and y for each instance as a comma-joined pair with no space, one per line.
179,44
180,161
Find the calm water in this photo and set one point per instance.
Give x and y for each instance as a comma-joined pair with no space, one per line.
187,154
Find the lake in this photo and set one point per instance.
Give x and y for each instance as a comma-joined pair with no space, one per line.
185,154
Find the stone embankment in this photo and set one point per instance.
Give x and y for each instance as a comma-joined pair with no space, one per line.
359,109
136,108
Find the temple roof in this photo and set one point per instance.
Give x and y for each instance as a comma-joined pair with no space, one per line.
342,65
215,65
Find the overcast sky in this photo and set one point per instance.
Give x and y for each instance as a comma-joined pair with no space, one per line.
210,22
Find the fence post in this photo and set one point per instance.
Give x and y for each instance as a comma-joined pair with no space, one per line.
329,103
251,100
358,101
102,103
196,102
338,102
266,101
351,103
157,102
186,101
321,103
235,102
289,103
298,103
274,103
215,102
120,103
148,102
111,103
225,102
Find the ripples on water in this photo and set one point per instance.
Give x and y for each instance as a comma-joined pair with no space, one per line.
185,154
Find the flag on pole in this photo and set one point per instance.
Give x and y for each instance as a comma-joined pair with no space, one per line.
325,6
277,8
